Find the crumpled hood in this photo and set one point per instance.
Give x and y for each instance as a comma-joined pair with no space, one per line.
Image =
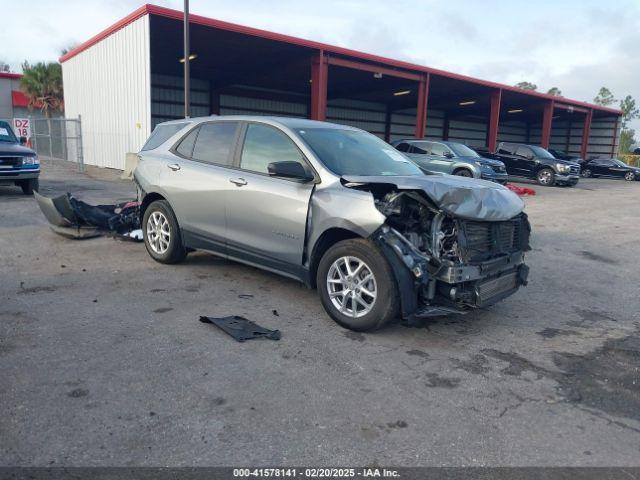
462,197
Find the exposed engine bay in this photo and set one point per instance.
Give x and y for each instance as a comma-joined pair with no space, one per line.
453,264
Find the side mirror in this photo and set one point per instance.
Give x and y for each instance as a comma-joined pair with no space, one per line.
448,155
23,140
289,170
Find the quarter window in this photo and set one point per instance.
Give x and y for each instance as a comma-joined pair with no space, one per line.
264,145
185,148
161,134
403,147
215,143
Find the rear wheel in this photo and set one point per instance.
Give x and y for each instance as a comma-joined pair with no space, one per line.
586,173
356,285
629,176
30,186
546,177
162,233
463,172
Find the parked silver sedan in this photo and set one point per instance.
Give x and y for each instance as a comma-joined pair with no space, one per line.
336,208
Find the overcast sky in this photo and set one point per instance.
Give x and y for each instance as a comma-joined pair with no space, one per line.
576,45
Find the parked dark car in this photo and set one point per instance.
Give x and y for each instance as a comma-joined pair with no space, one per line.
19,165
440,156
562,155
610,167
532,161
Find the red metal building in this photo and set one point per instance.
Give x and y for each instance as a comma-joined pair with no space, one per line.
243,70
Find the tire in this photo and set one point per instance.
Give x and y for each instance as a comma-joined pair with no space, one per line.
30,186
629,176
158,223
463,172
586,173
546,177
331,273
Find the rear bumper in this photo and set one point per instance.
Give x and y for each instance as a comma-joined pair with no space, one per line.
495,177
9,177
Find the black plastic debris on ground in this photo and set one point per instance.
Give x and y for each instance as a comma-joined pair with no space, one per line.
241,329
73,218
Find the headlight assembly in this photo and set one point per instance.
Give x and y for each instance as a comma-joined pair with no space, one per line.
30,160
562,168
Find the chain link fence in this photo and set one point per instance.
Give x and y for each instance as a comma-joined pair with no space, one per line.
58,138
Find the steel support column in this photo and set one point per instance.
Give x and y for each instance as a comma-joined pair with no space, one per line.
615,137
319,74
494,119
547,119
421,109
586,129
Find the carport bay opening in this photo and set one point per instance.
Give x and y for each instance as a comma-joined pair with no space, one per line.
442,263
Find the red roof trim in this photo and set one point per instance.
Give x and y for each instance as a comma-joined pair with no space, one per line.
132,17
12,75
233,27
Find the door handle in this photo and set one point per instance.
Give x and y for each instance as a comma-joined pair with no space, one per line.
240,182
174,166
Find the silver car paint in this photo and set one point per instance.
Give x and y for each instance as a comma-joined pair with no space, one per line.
267,219
434,163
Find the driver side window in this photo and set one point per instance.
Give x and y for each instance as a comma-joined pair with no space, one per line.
263,145
440,150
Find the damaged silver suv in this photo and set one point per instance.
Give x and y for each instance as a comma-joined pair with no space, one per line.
336,208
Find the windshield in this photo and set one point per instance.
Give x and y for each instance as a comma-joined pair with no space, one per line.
541,152
6,134
462,150
353,152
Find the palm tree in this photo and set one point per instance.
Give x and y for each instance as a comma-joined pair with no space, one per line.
42,84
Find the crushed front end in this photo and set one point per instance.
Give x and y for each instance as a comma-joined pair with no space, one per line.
447,264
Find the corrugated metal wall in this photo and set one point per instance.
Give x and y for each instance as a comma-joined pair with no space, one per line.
109,86
252,104
167,98
566,135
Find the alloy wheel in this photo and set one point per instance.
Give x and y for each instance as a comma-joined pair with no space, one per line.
544,177
158,232
629,176
586,173
351,286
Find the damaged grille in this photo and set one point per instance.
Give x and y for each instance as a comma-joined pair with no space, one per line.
481,241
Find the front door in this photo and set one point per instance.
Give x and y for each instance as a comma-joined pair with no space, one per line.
525,163
266,215
441,158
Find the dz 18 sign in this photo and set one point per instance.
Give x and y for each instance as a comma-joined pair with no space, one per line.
22,127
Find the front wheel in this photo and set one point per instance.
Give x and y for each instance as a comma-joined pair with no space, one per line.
629,176
586,173
30,186
162,234
357,286
546,177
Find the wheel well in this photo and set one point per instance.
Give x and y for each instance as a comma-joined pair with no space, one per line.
324,243
147,200
463,168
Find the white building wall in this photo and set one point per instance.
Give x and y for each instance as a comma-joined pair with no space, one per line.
109,86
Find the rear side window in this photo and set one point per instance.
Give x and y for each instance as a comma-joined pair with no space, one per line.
161,134
264,145
507,149
215,142
185,148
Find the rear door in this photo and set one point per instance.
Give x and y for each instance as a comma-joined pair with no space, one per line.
420,154
505,154
524,161
266,215
196,182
